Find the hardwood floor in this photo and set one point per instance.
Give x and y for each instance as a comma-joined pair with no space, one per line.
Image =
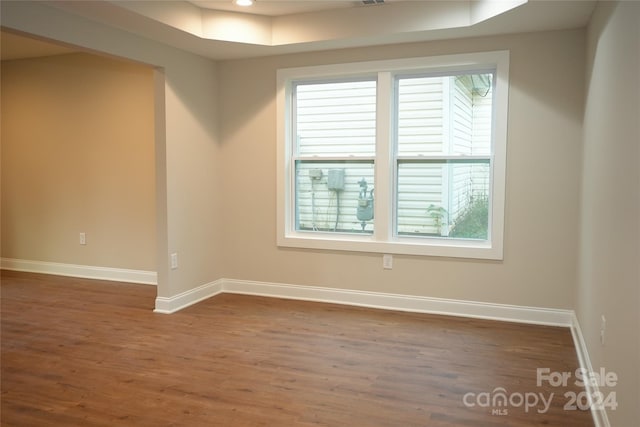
91,353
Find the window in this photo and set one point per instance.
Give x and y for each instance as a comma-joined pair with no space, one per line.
403,156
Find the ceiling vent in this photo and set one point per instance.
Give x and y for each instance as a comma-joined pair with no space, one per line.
368,2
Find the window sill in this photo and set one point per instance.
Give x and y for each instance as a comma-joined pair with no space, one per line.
434,247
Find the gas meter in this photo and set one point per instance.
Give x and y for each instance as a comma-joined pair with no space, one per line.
365,204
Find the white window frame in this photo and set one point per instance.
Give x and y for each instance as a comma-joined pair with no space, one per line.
383,240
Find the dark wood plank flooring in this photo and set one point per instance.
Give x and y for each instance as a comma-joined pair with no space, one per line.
81,352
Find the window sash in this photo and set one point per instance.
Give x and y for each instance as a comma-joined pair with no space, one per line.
435,122
465,200
348,109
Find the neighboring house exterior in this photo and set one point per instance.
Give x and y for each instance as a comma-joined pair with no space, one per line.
435,117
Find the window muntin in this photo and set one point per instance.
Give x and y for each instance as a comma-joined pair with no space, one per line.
390,164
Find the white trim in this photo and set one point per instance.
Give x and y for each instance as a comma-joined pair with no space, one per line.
175,303
599,415
383,165
410,303
83,271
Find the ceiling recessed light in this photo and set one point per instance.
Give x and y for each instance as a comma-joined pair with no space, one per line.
244,3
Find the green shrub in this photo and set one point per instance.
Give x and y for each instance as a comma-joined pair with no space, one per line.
473,223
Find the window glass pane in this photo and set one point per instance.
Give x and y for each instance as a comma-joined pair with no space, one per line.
443,199
336,119
444,115
334,196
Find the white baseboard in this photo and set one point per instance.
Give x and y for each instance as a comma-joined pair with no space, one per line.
185,299
84,271
480,310
599,415
450,307
419,304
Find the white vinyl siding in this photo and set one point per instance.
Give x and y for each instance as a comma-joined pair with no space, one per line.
482,113
336,119
473,137
421,127
461,116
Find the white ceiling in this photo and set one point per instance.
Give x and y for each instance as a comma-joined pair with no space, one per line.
220,30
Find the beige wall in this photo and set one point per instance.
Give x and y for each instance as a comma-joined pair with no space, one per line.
186,137
78,156
609,276
543,175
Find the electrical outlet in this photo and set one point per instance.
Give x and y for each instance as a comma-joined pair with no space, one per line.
83,238
603,328
387,261
174,260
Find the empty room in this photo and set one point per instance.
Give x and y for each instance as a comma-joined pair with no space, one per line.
320,213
